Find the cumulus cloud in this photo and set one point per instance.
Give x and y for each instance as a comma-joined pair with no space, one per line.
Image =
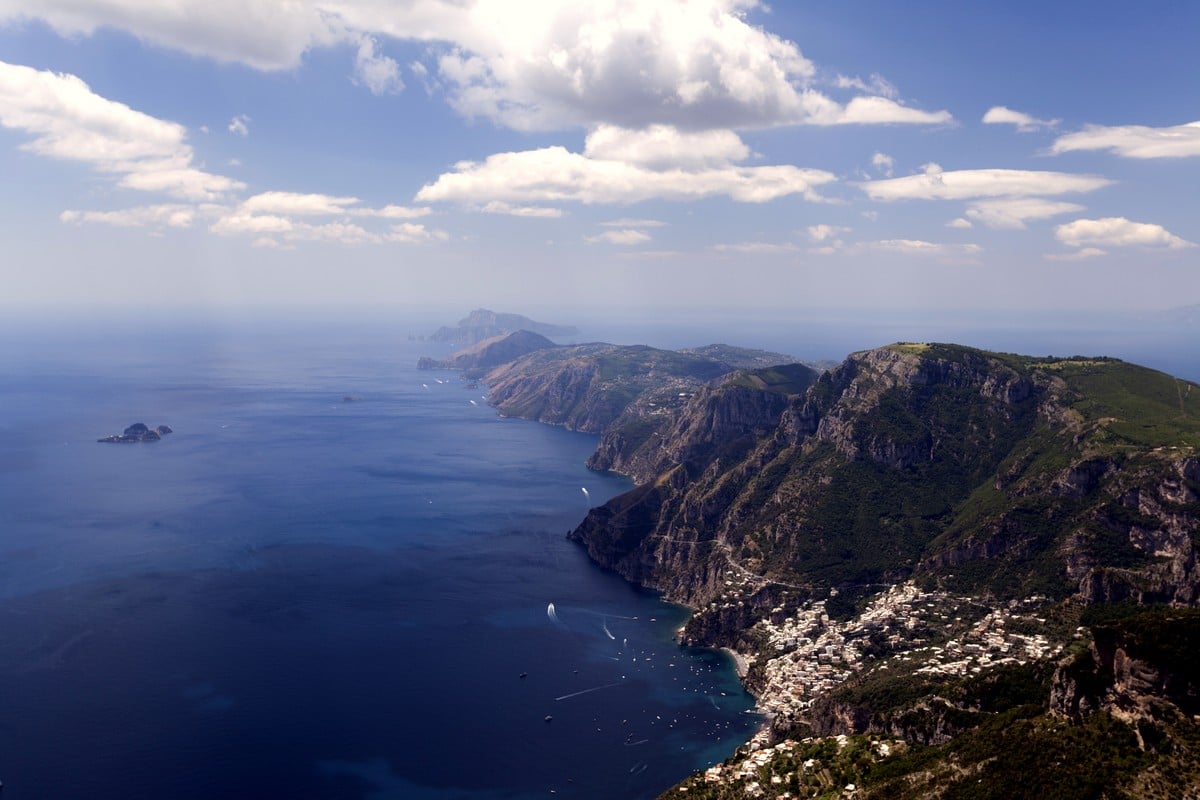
949,253
1012,213
624,236
960,223
554,174
1079,255
757,248
1025,123
1118,232
551,65
821,233
415,233
296,204
626,222
538,212
946,253
967,184
238,127
377,72
876,85
167,214
883,163
265,34
1135,141
69,121
665,146
880,111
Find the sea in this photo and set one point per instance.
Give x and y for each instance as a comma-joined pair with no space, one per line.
339,577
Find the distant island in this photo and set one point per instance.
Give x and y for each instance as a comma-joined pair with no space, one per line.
483,324
138,432
944,572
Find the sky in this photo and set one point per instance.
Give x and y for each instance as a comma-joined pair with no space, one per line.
867,154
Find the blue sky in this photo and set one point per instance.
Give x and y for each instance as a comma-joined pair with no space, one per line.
874,155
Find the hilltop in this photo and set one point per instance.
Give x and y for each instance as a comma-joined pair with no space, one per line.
483,324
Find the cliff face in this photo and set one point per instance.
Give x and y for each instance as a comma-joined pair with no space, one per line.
489,353
982,471
634,390
1140,668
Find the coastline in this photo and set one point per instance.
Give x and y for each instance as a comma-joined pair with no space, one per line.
740,664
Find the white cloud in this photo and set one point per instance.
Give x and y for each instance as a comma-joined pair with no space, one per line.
1012,213
876,85
1117,232
821,233
345,233
238,127
960,223
626,222
883,163
68,121
917,247
625,236
757,248
946,253
1000,115
377,72
541,212
167,214
265,34
660,146
296,204
1135,141
414,233
554,174
392,212
536,66
1079,255
967,184
880,111
236,223
632,63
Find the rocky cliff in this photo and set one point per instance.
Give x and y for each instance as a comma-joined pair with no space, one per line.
476,360
978,471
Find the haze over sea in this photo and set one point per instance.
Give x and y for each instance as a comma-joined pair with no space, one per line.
297,596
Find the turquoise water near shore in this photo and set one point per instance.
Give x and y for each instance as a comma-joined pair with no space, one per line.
298,596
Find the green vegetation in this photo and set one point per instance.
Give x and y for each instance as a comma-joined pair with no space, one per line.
785,379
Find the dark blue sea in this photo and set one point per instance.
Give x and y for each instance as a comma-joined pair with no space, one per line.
296,596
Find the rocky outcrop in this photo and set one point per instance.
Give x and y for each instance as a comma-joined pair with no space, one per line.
719,422
1143,667
138,432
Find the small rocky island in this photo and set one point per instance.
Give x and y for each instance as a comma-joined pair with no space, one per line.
138,432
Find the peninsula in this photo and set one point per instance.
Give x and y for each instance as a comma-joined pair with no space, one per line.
945,568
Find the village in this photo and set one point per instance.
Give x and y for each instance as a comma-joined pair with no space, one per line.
906,629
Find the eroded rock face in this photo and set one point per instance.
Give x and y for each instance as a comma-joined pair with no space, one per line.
1143,667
